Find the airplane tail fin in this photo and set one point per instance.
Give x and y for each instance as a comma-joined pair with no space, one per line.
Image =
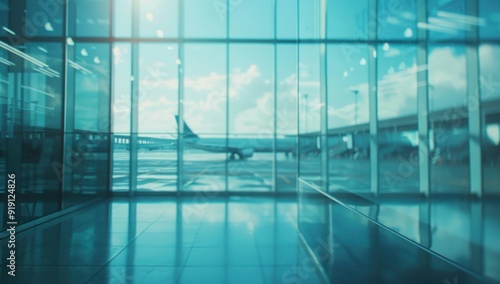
188,133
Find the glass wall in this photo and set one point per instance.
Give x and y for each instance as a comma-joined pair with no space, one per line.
206,96
87,139
205,105
408,98
490,133
31,127
121,86
54,104
157,108
286,117
348,148
401,115
309,112
397,100
251,117
448,125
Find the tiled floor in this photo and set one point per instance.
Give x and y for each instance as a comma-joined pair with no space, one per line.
165,240
440,240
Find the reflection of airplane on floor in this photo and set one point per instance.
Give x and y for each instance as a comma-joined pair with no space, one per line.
241,147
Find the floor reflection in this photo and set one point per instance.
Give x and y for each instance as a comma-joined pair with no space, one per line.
463,231
201,239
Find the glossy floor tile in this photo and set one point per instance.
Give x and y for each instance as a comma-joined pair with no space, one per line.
164,240
244,240
365,243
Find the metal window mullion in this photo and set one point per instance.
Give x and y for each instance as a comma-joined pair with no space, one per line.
180,98
373,100
422,102
473,103
298,94
64,100
226,176
134,101
275,103
323,96
111,103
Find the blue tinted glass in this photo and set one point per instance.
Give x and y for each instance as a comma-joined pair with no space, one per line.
158,18
447,76
347,19
205,19
91,87
88,18
286,18
251,94
446,20
489,71
122,22
4,16
309,18
251,19
397,80
347,84
44,18
396,19
205,88
489,19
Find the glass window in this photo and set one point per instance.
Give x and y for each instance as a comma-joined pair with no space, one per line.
286,118
250,117
92,79
447,77
350,14
31,84
489,72
205,99
397,81
44,18
251,19
86,167
489,19
446,20
4,16
286,18
309,19
158,18
396,19
309,111
348,116
490,95
158,103
205,19
88,18
448,126
122,81
122,22
122,66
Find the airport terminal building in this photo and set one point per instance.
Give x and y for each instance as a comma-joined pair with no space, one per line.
250,141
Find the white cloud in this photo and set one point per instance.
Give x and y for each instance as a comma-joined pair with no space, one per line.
205,83
392,52
447,69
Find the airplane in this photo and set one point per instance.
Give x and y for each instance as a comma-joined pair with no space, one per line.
146,143
243,148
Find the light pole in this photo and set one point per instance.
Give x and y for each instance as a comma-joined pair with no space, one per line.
355,92
430,116
306,97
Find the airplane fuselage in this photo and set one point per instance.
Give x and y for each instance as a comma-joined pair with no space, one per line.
242,147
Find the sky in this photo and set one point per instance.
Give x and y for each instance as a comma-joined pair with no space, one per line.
251,84
251,88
